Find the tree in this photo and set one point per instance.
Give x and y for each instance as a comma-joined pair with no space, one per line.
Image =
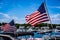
41,25
17,25
0,24
3,23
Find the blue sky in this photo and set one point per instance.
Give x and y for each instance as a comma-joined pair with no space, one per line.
18,9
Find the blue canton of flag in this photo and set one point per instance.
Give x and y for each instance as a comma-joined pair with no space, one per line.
12,23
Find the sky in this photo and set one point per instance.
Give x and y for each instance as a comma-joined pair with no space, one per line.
18,9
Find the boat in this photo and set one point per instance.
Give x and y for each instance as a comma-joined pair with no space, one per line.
14,36
7,36
44,30
57,29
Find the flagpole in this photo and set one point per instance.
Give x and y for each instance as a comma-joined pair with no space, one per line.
48,13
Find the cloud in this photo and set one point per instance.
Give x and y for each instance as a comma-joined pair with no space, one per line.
4,20
55,18
19,20
8,18
5,15
54,7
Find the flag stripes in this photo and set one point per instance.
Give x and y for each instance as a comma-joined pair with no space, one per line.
9,27
39,22
38,17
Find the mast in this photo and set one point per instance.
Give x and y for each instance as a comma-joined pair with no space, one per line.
48,13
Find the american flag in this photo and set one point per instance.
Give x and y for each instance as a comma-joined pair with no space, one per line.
9,27
38,16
